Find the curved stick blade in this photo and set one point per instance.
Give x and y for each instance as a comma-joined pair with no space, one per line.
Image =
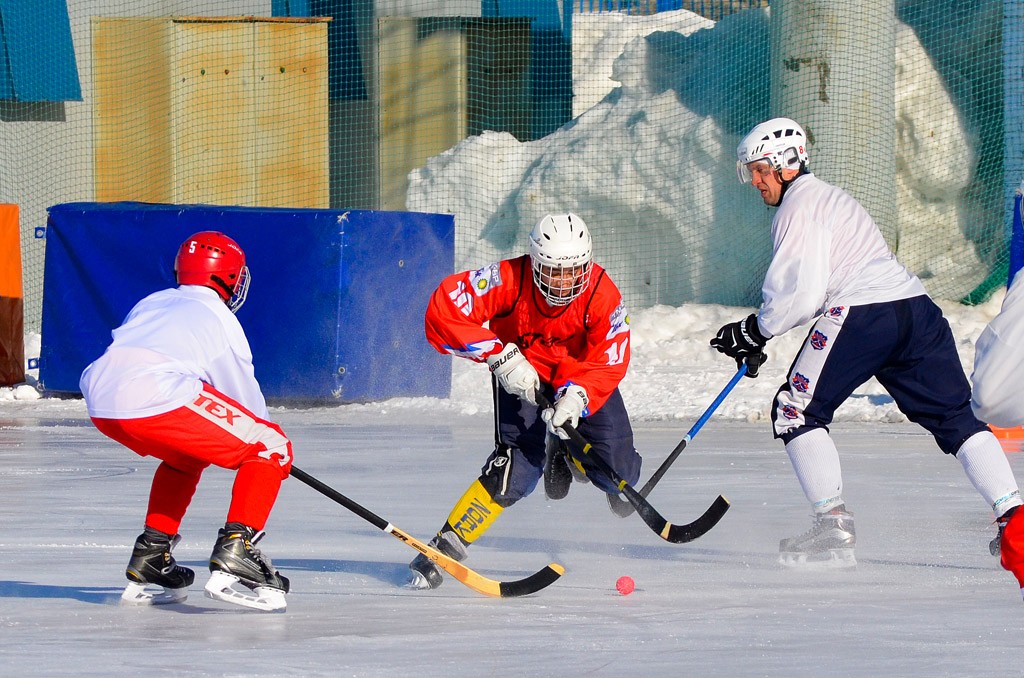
679,534
535,582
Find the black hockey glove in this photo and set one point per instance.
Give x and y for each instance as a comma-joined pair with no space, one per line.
754,362
743,341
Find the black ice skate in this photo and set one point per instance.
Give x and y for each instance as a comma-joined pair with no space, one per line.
557,476
153,564
424,573
828,544
235,559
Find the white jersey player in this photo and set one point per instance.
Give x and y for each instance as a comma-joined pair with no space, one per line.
872,318
999,397
999,363
177,384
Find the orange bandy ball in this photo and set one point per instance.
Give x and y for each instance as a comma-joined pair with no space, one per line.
625,585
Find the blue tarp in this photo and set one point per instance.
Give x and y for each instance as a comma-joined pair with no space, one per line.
1016,238
335,307
38,60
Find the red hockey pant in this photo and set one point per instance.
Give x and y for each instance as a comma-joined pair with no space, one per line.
213,429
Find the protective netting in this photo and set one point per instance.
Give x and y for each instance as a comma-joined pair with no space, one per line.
627,112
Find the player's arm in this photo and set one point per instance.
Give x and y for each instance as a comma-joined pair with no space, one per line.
237,379
454,323
228,361
459,308
796,283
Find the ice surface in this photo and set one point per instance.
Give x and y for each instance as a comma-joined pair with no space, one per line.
926,598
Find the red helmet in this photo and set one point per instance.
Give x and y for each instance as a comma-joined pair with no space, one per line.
214,260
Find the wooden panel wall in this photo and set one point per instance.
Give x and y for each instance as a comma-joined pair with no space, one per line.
291,116
131,110
228,111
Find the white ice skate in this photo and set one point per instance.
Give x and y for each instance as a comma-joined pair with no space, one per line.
221,586
236,560
424,574
828,544
418,582
136,593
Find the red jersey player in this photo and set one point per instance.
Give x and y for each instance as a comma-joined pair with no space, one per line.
177,383
551,321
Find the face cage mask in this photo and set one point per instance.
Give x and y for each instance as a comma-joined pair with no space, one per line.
241,291
561,296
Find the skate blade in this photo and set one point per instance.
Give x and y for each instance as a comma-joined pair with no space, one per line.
833,559
136,594
579,475
417,582
221,587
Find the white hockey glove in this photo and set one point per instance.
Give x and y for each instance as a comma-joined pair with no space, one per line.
515,373
570,401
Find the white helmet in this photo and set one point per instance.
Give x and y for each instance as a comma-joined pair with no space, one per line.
780,141
561,242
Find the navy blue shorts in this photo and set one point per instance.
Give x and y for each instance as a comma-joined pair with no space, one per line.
517,463
907,345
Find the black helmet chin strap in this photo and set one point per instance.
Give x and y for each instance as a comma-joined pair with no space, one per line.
785,184
220,281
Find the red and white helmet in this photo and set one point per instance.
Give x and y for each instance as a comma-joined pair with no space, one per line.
560,251
780,141
214,260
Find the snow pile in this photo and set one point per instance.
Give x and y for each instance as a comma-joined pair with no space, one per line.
650,166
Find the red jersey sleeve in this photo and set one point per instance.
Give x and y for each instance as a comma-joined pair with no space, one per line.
463,303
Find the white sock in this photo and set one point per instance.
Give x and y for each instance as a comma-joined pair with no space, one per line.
816,462
985,463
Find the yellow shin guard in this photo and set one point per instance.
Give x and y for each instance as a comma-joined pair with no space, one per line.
474,513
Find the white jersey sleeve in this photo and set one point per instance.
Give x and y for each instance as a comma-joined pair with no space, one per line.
827,252
998,396
171,342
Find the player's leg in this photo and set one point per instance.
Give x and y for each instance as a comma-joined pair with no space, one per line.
152,563
611,437
1010,543
557,474
510,473
927,381
842,350
214,429
262,456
